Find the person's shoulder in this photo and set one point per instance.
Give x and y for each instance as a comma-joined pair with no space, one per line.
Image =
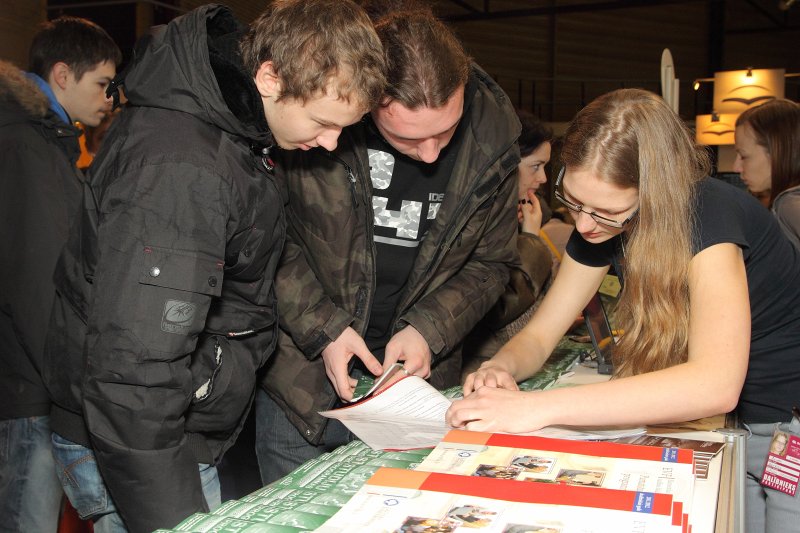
790,198
490,110
716,196
18,93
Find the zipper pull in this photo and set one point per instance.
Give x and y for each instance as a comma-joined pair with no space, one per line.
352,179
266,160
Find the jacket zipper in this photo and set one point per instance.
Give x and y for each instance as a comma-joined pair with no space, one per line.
446,241
370,237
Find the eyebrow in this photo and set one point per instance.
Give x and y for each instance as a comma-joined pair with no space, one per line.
327,123
400,137
594,209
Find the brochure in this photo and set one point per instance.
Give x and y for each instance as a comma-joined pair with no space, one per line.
408,501
410,413
704,450
569,462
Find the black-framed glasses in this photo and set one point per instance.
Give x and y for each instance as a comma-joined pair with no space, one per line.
576,208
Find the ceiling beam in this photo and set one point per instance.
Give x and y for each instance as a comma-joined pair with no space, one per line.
475,15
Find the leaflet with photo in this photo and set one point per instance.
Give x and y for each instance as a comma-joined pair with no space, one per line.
411,501
554,461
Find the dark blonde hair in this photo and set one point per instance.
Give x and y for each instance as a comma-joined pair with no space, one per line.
631,138
776,125
313,43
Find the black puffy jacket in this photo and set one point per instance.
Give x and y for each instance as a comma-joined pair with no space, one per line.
40,191
166,304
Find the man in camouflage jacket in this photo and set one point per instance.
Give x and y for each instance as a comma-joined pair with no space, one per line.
326,282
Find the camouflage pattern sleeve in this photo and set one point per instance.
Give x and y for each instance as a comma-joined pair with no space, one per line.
306,312
446,315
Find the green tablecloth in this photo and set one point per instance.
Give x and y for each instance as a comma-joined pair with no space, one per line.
307,497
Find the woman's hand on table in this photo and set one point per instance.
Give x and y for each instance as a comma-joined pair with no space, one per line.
490,374
495,410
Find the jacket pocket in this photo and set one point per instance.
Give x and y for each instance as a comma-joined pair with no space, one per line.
176,288
223,382
185,271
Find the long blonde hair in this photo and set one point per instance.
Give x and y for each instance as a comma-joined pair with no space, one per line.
631,138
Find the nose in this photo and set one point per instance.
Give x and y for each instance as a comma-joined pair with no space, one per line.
583,222
330,139
428,150
737,164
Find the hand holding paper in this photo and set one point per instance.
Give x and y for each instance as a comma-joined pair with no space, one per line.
337,355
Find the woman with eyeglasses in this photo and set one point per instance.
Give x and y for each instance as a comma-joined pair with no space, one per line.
710,304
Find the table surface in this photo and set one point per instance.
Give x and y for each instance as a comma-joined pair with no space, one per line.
307,497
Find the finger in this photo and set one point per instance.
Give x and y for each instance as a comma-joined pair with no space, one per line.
468,384
453,414
508,383
341,381
415,365
478,382
369,360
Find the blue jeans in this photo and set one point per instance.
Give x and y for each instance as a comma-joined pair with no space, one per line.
83,484
30,494
281,448
768,510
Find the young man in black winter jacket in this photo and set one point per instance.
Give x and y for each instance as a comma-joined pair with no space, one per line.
166,305
72,61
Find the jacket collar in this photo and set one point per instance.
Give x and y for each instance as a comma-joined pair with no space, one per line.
55,105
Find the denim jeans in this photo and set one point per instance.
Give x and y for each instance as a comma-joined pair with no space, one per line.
83,484
768,510
30,494
281,448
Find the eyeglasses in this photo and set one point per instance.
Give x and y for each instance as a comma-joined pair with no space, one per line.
575,208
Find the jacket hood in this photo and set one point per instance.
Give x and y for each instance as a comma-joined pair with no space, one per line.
18,91
192,65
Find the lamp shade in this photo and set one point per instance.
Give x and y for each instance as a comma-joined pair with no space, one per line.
738,90
715,129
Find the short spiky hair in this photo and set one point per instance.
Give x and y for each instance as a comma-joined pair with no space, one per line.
312,43
77,42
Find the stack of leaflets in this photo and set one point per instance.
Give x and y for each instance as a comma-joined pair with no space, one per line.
568,462
704,450
405,501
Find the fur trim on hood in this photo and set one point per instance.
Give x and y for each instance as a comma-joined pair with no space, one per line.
18,89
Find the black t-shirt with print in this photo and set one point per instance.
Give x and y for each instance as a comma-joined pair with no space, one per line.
726,214
406,196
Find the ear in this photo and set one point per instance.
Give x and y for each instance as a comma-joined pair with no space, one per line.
59,74
267,82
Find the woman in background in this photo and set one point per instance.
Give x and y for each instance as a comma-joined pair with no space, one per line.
768,159
710,303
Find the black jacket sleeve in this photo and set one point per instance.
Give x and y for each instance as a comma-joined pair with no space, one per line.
160,254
